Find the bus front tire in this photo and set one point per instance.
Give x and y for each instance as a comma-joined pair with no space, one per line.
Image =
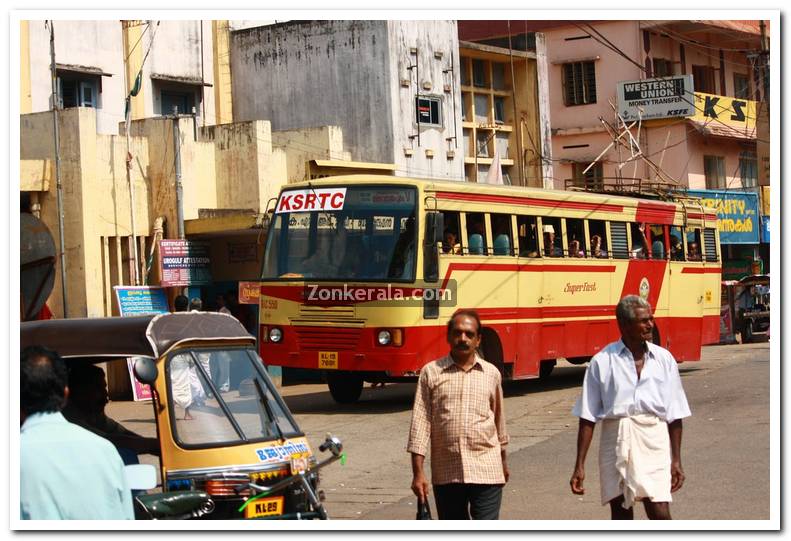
345,388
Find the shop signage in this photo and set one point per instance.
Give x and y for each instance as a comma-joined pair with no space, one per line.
140,301
737,214
722,110
663,97
248,292
184,263
765,229
327,199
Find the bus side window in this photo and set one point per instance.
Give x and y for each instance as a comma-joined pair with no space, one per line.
552,237
639,241
528,239
502,238
451,238
676,243
598,242
710,244
658,242
619,242
693,244
575,229
476,234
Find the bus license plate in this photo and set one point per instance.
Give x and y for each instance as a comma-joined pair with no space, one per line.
264,507
328,360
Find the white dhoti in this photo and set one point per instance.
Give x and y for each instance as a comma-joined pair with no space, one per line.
634,459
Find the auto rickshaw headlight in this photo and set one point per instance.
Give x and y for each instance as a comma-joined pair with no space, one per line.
275,334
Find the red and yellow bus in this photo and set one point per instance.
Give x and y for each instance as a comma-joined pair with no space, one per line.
361,274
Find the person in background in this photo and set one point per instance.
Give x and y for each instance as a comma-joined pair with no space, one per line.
181,304
596,250
451,244
219,302
694,252
458,414
633,389
65,471
196,305
85,407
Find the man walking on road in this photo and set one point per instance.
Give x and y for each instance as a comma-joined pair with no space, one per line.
633,387
459,411
66,472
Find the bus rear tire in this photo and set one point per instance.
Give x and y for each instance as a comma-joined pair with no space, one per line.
545,368
345,388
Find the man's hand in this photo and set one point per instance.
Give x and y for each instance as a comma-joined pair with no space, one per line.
420,486
676,476
577,479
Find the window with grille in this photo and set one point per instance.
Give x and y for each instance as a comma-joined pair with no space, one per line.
78,90
703,79
714,169
663,67
741,86
592,180
710,244
428,110
748,169
579,83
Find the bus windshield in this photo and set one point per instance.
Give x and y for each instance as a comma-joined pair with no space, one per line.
369,235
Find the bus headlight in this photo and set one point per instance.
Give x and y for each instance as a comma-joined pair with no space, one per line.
384,338
275,335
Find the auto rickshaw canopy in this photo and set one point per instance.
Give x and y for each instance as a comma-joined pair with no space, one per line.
132,336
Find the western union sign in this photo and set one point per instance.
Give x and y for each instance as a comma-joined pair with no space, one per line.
663,97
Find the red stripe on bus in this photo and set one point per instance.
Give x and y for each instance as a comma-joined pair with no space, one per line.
653,272
493,314
701,270
654,212
529,201
515,267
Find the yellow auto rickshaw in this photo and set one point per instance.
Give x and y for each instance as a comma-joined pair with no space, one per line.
225,453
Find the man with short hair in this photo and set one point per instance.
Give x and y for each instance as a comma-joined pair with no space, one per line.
66,472
633,388
458,413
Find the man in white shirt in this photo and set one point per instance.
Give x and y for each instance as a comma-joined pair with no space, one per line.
634,389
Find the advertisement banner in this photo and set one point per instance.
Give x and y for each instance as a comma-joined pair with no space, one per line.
663,97
765,229
734,113
184,263
140,301
737,214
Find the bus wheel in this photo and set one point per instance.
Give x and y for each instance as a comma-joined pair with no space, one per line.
492,350
345,388
545,368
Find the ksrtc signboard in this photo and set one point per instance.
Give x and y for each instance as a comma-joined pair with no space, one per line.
664,97
737,214
184,263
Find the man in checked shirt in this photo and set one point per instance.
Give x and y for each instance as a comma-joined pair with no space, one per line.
459,412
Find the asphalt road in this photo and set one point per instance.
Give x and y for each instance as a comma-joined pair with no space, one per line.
725,449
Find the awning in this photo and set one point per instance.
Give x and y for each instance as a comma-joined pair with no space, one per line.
179,79
89,70
720,129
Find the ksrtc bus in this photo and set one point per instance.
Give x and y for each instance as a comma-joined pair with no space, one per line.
361,274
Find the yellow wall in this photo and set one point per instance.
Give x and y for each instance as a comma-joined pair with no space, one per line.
25,97
133,51
223,98
302,145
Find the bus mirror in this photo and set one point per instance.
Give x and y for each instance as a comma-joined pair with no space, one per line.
433,236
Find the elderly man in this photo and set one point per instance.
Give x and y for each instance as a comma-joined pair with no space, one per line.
634,389
66,472
458,412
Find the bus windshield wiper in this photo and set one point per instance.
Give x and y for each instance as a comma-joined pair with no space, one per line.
262,398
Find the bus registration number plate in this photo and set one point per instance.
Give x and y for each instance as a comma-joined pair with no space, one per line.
328,360
264,507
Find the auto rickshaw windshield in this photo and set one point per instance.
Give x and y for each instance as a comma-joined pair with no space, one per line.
224,397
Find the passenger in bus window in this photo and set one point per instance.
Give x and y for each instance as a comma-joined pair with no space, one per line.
676,248
596,249
451,245
528,243
550,247
639,242
694,252
574,249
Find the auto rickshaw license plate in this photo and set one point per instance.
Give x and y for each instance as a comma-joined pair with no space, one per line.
264,507
328,360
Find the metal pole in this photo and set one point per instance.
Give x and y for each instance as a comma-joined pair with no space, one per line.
58,180
135,276
179,193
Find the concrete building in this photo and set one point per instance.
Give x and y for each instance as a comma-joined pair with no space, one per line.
402,91
713,149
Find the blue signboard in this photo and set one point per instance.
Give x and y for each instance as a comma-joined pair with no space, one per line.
765,229
737,214
141,300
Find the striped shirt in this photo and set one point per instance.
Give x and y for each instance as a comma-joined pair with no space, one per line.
461,415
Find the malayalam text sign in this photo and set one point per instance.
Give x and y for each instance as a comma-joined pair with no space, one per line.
249,292
663,97
184,263
737,214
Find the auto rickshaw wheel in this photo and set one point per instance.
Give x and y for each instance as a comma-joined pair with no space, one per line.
747,332
345,388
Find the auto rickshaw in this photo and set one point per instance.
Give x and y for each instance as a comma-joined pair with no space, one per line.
752,306
224,453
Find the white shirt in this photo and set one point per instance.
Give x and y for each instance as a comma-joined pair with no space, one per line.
611,389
